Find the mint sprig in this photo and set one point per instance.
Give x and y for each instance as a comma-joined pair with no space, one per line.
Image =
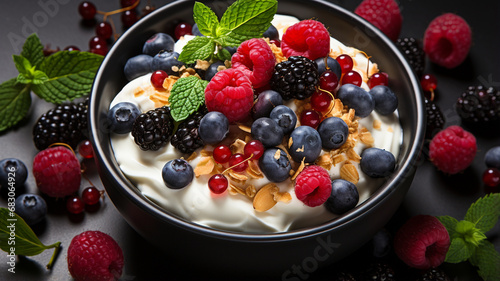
186,96
243,20
63,76
468,238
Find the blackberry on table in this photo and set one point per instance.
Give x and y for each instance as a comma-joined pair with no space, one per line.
434,274
295,78
379,271
153,129
186,139
435,119
413,52
479,105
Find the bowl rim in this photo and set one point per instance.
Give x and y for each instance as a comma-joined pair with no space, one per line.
158,212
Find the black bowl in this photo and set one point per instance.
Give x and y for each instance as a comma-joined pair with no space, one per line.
281,254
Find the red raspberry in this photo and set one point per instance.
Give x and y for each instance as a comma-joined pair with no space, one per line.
230,93
57,171
383,14
447,40
422,242
255,58
452,149
313,186
307,38
94,255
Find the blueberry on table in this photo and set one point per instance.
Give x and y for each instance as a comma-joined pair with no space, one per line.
122,116
137,66
275,165
267,131
333,132
214,127
168,62
305,144
177,174
13,173
343,198
265,103
492,157
285,117
377,163
357,98
386,102
158,42
31,207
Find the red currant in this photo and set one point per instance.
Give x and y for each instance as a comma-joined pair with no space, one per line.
254,147
87,10
91,195
75,205
218,183
491,177
346,63
100,50
428,82
379,78
310,118
158,77
128,18
72,48
95,41
222,153
182,29
238,162
104,30
352,77
127,3
85,149
275,42
328,81
320,101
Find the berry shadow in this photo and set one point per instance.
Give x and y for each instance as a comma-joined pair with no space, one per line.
464,72
88,24
30,267
465,183
484,130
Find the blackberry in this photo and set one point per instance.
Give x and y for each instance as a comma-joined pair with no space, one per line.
379,271
153,129
67,123
435,119
186,138
434,274
479,105
344,276
413,52
295,78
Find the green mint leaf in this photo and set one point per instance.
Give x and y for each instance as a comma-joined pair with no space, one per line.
37,77
186,96
70,75
451,224
484,212
33,50
245,19
15,102
487,259
198,48
205,18
223,55
23,65
459,251
469,233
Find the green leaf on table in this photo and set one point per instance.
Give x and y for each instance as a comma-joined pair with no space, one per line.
487,259
201,48
459,251
33,50
37,77
470,233
186,96
205,19
23,65
450,223
15,102
484,212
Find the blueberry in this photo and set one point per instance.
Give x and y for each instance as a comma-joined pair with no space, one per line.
343,198
122,116
332,64
386,102
167,61
266,101
357,98
285,117
276,169
333,132
377,163
212,70
196,31
214,127
271,33
138,66
381,243
306,144
31,207
267,131
13,174
492,157
231,50
177,173
158,42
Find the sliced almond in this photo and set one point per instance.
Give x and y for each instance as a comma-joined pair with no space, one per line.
264,199
349,172
353,155
250,191
367,138
236,190
325,161
339,158
284,197
277,154
253,170
238,146
237,177
245,128
204,167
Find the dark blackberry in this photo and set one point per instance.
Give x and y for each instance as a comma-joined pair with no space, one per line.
296,78
64,124
379,271
153,129
434,274
186,138
413,52
479,105
435,119
344,276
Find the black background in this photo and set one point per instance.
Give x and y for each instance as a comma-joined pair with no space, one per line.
432,192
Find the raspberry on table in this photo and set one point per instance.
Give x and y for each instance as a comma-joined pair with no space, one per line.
307,38
255,58
313,186
452,150
447,40
383,14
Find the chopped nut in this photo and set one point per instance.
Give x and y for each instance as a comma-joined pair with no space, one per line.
325,161
366,138
377,125
245,128
237,177
204,167
264,199
349,172
202,64
250,191
238,146
284,197
277,154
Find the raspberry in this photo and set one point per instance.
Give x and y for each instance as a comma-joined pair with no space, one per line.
230,92
94,255
422,242
383,14
313,186
57,171
307,38
255,58
452,149
447,40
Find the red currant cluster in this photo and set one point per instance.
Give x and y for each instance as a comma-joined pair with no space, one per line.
491,177
429,85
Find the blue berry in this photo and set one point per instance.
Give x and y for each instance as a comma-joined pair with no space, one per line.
13,174
195,30
138,66
381,243
177,174
343,198
492,157
231,50
212,70
266,101
285,117
214,127
386,102
168,62
158,42
276,169
357,98
377,163
31,207
306,144
122,116
333,132
267,131
271,33
332,64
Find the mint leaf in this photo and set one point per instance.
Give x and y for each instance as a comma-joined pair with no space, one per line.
37,77
33,50
245,19
70,75
484,212
487,259
23,65
205,18
469,233
450,223
459,251
15,101
198,48
186,96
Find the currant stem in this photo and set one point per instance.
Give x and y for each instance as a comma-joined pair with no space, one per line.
229,168
106,14
57,249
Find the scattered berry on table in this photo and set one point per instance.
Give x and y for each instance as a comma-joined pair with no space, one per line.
422,242
186,138
222,153
343,197
310,117
307,38
321,100
271,33
128,18
386,102
104,30
72,48
91,195
352,77
157,78
305,144
87,10
213,69
138,66
285,117
429,85
182,29
238,162
265,103
344,276
479,105
381,243
75,205
275,164
383,14
85,149
97,42
434,274
253,148
377,79
434,118
158,42
447,40
328,81
177,173
256,60
296,78
218,183
346,63
168,62
267,131
452,150
379,271
214,127
313,186
333,132
127,3
31,207
94,255
328,63
491,177
412,50
357,98
492,157
152,130
13,173
377,162
121,117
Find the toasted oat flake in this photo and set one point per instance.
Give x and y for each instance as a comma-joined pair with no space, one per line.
284,197
325,161
253,170
339,158
277,154
264,199
366,138
245,128
192,156
238,146
205,153
138,91
241,178
236,190
250,191
353,155
204,167
377,125
299,169
349,172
